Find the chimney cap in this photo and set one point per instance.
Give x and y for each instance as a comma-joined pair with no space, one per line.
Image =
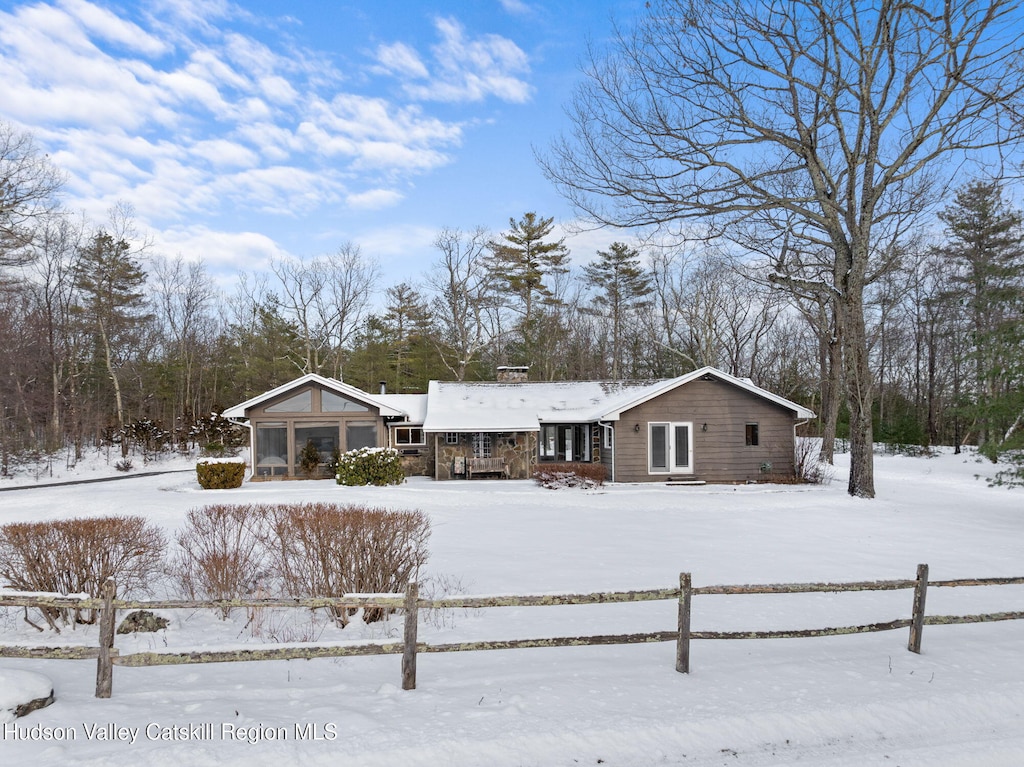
513,373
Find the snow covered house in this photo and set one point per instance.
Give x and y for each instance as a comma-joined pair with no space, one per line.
703,426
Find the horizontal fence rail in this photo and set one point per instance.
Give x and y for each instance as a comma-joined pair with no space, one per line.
107,605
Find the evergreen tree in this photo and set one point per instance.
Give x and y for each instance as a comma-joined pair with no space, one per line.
624,285
112,305
525,265
986,248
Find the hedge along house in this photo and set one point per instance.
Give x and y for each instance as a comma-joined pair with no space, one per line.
332,415
704,426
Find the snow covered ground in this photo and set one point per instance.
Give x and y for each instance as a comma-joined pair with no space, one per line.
836,701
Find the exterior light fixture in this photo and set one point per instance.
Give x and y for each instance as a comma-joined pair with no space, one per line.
636,427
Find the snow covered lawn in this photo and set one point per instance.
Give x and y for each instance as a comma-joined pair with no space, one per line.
854,700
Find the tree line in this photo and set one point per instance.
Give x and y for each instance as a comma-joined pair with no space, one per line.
103,341
806,166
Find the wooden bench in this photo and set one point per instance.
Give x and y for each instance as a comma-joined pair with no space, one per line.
487,466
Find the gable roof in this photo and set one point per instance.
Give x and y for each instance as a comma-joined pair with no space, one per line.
386,408
799,411
490,406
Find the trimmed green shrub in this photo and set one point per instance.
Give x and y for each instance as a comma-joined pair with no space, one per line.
370,466
220,475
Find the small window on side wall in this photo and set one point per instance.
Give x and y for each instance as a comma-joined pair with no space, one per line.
752,434
409,435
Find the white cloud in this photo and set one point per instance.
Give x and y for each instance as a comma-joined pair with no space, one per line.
376,134
399,59
107,26
225,253
222,153
173,109
465,69
516,7
373,199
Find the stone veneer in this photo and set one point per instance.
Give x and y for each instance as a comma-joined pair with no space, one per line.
517,449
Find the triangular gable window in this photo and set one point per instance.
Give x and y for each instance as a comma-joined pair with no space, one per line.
335,403
300,403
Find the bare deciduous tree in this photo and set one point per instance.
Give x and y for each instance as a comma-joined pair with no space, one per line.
845,117
28,187
463,304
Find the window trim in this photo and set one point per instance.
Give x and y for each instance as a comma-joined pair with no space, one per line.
671,466
752,434
411,442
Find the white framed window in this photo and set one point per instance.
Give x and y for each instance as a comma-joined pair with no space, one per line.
481,444
606,437
409,435
670,448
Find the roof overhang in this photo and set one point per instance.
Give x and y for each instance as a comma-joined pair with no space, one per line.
241,410
799,411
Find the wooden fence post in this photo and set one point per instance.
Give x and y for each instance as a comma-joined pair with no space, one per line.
683,641
108,617
411,622
917,622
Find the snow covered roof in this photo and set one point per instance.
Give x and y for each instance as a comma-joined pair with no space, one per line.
498,406
490,406
414,406
344,389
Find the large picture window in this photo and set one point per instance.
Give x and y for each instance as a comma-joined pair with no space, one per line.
360,434
670,446
271,449
324,438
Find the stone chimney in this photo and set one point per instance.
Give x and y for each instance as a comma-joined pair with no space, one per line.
513,373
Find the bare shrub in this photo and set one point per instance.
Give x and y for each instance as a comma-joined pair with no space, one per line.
221,553
75,556
329,551
437,587
557,475
807,466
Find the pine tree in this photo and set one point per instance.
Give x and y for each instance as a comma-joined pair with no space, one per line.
624,284
986,248
112,305
525,264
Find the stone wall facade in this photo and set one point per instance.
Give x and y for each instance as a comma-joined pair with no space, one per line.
517,449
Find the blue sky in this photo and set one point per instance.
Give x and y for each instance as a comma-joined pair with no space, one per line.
240,131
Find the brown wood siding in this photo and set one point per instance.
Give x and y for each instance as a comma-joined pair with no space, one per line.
720,454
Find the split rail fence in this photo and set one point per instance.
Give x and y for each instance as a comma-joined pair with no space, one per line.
107,604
